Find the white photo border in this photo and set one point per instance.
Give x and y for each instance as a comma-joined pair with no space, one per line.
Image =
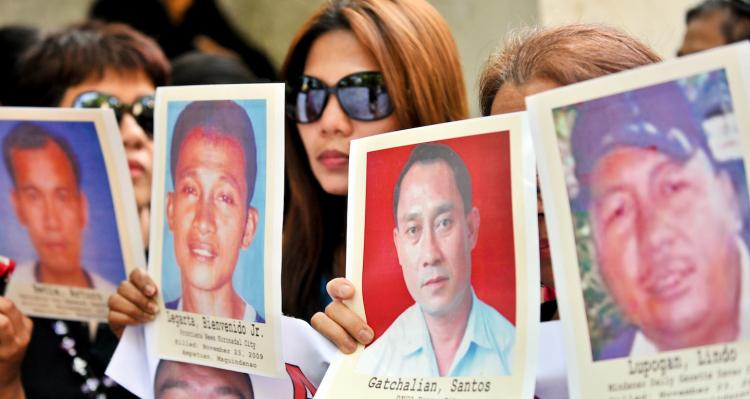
269,343
586,378
121,193
342,379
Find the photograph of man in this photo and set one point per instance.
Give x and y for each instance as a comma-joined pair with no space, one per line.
175,380
448,331
213,165
666,222
49,203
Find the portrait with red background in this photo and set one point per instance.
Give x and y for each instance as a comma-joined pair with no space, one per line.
487,157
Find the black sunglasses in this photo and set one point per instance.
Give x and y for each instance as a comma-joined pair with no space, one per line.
142,108
362,96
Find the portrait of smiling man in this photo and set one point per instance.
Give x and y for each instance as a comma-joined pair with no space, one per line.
448,331
213,165
666,222
48,201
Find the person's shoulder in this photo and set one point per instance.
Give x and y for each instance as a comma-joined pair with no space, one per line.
493,316
251,314
373,356
399,333
403,327
495,326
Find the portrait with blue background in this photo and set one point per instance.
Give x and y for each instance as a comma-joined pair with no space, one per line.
101,252
248,278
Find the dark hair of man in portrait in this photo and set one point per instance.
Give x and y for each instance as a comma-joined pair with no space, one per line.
431,153
30,136
219,118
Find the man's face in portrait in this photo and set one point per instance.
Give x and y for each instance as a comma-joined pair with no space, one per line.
49,204
666,234
175,380
434,238
208,212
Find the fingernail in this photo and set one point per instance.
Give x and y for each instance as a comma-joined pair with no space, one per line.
150,290
365,335
351,346
153,308
345,290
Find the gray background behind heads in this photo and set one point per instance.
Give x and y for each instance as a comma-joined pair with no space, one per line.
479,26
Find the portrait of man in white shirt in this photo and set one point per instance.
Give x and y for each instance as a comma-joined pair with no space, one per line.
448,331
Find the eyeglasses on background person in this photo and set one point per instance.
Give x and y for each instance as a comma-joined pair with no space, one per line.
142,109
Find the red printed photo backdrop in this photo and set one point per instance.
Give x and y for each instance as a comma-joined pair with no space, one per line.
487,157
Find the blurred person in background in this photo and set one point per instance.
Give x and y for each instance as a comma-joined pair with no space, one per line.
14,40
538,60
714,23
182,26
90,65
102,66
196,68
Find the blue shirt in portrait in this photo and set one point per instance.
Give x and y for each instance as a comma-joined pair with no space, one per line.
405,349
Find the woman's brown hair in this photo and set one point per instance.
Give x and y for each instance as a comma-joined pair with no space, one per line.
416,53
565,55
70,56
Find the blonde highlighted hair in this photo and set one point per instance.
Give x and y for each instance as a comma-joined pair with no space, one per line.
411,43
418,57
565,55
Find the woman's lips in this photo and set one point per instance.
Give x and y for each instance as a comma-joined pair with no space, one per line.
333,159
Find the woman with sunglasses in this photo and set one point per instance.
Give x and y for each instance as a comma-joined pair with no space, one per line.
90,65
103,66
529,62
356,68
